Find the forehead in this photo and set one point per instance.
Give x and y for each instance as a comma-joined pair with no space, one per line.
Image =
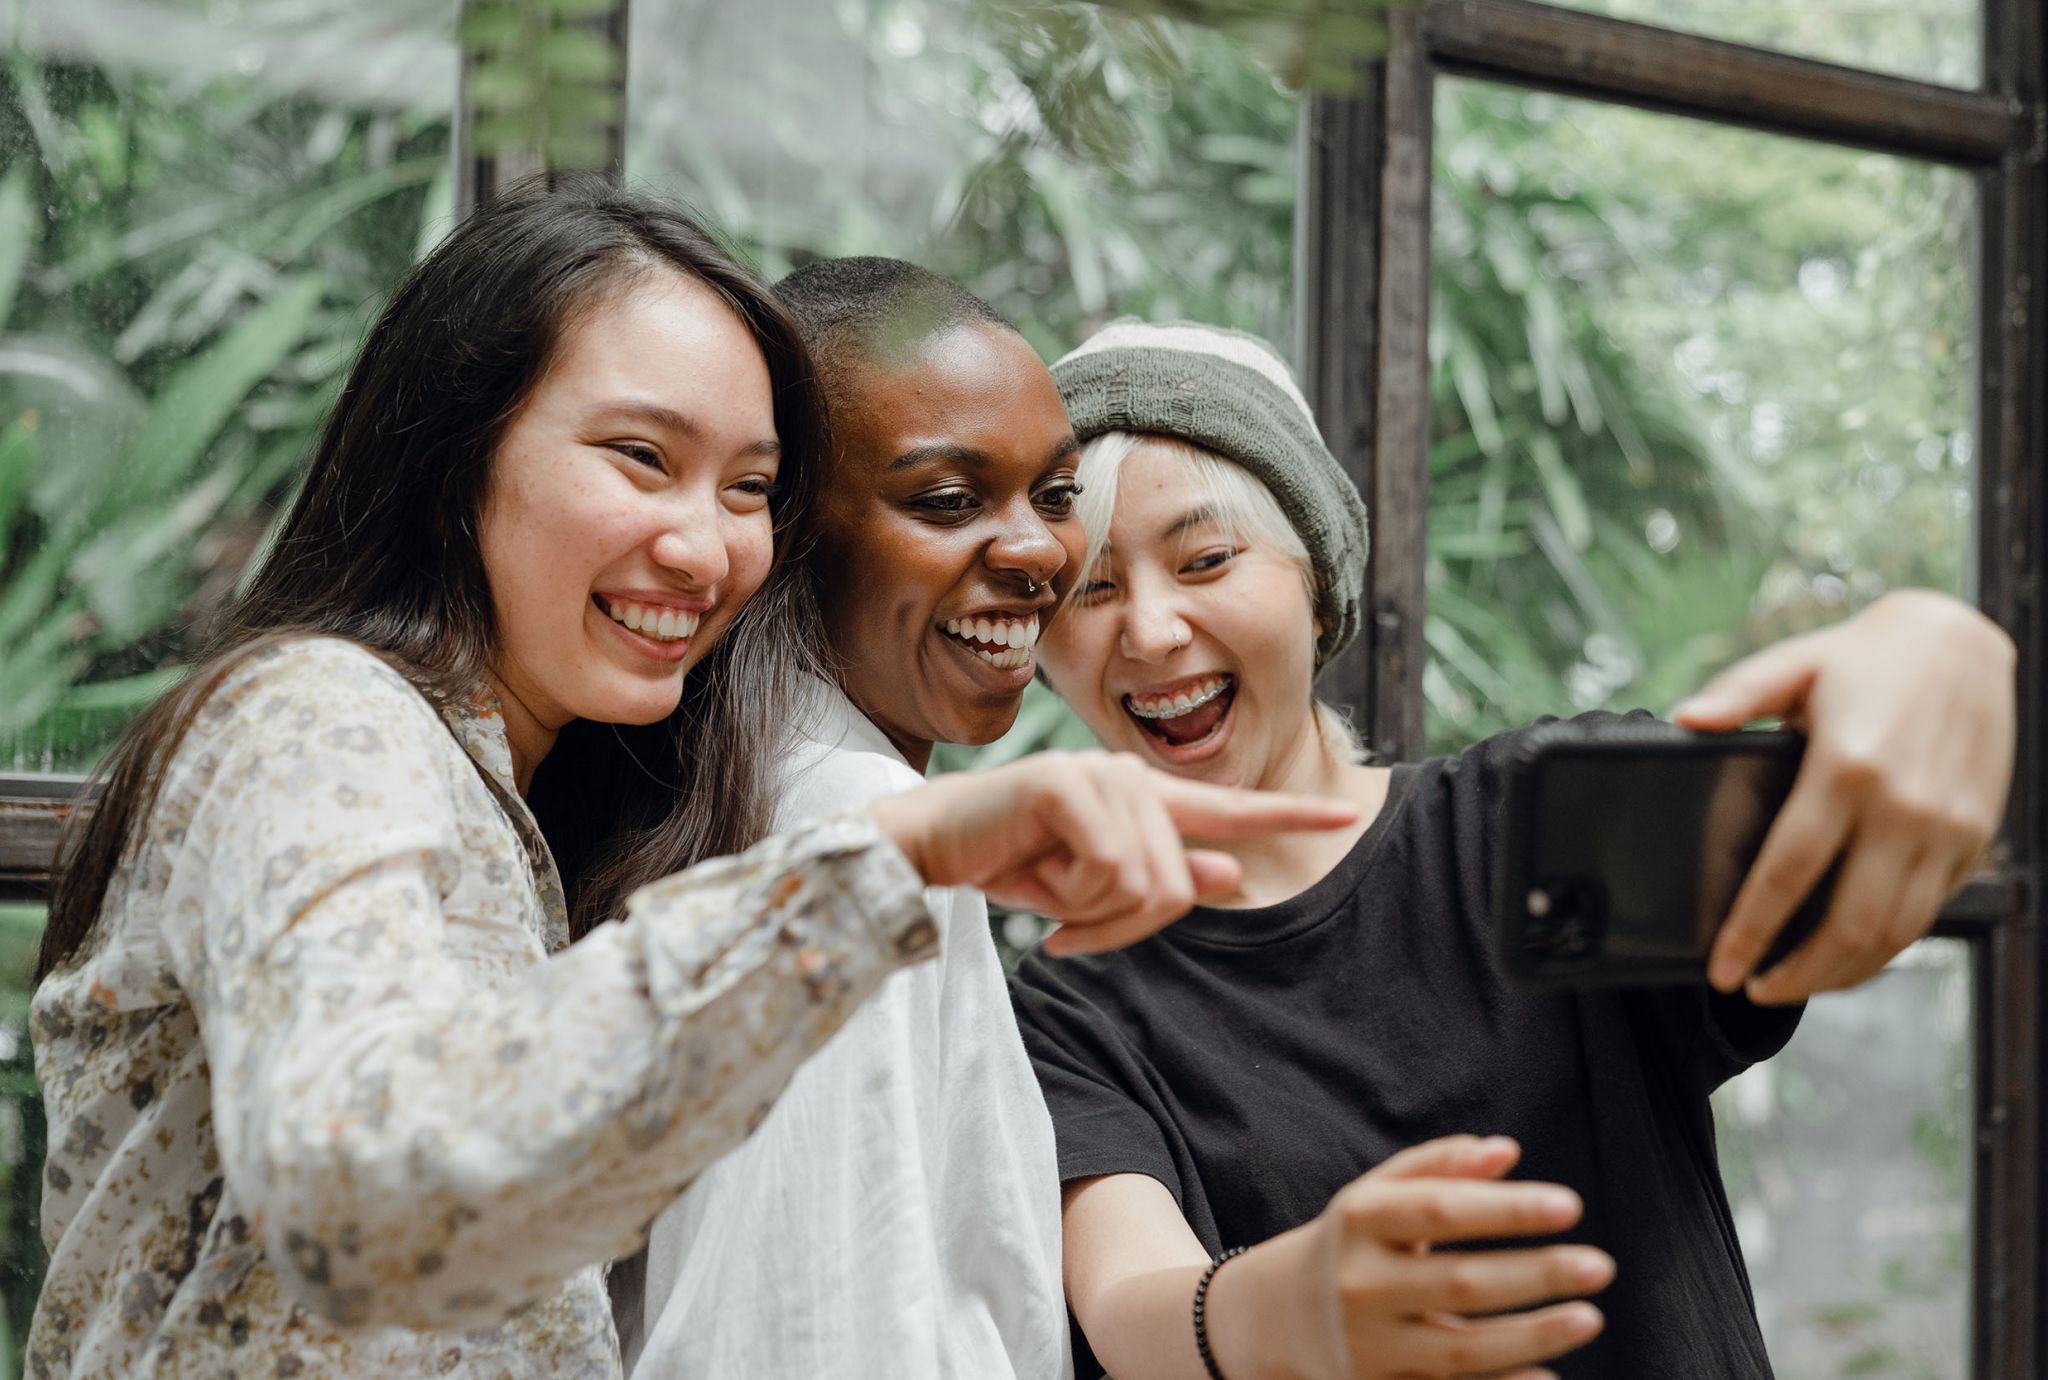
1157,491
667,338
978,385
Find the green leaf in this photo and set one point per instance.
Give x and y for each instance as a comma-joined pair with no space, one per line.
487,26
18,228
122,696
1561,487
199,399
17,454
579,56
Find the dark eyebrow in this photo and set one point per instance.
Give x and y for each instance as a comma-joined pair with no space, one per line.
967,455
676,423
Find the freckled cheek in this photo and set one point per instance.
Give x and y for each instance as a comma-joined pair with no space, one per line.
750,556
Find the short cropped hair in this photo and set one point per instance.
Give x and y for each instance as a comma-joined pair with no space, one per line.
866,310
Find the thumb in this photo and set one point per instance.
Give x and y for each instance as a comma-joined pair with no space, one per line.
1214,873
1773,682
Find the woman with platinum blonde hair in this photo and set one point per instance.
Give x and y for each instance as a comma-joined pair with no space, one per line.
1328,1073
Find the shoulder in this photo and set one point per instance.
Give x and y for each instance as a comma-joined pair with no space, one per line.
329,676
817,778
305,705
1484,763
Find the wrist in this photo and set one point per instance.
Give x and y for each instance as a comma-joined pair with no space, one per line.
1250,1314
896,817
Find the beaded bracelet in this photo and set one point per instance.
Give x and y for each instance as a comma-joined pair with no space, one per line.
1201,1320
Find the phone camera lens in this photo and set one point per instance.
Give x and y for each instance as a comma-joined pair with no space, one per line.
1564,921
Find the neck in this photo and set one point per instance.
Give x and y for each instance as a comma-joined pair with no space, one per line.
916,751
1278,866
528,737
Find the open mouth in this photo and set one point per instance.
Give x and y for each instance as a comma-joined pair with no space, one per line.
1186,715
656,622
1004,643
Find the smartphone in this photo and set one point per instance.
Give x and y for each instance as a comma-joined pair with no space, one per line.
1625,843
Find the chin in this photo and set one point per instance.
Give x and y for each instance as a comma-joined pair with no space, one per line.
635,709
982,729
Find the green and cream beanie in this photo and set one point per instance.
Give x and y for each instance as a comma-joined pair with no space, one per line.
1230,393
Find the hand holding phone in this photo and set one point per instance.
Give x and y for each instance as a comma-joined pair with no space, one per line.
1909,712
1627,842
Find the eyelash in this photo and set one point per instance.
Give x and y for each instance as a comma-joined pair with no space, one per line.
1057,499
1201,565
639,454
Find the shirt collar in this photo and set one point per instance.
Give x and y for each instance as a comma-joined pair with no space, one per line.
827,716
478,722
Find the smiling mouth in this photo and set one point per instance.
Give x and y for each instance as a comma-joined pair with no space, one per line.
1004,643
1190,715
656,622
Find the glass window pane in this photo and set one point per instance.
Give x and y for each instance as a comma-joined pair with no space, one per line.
1847,1160
1931,40
1695,388
21,1137
201,207
1067,166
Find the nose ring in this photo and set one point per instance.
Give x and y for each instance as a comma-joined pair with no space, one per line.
1177,643
1030,585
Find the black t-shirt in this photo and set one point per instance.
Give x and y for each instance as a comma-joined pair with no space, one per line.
1256,1061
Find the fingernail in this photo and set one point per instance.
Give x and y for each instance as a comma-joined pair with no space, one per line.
1694,705
1556,1202
1585,1318
1593,1269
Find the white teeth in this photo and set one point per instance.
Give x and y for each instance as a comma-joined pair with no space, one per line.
1018,637
661,623
1175,705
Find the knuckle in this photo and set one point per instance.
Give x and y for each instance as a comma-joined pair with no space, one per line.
1463,1288
1856,769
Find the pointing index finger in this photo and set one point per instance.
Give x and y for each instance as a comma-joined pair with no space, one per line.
1224,812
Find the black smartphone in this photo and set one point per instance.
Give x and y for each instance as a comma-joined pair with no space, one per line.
1625,843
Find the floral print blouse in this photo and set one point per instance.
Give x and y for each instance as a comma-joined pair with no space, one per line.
330,1095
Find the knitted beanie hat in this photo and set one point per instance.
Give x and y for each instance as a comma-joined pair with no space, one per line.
1230,393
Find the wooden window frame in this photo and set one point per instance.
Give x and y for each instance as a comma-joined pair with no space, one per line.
1363,246
1364,291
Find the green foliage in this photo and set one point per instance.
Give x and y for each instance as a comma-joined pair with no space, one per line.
544,78
1315,45
186,277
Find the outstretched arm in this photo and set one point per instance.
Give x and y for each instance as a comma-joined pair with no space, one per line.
1908,709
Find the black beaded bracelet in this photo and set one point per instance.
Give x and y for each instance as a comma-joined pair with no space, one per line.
1201,1318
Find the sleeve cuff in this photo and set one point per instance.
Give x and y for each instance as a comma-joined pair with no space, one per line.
835,882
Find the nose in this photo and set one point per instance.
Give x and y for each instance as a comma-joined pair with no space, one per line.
1152,629
691,540
1026,548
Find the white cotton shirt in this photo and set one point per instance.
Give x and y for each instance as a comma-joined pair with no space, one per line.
897,1214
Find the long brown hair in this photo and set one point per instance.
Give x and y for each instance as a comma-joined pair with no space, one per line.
381,547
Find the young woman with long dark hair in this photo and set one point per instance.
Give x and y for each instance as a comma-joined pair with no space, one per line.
330,1090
